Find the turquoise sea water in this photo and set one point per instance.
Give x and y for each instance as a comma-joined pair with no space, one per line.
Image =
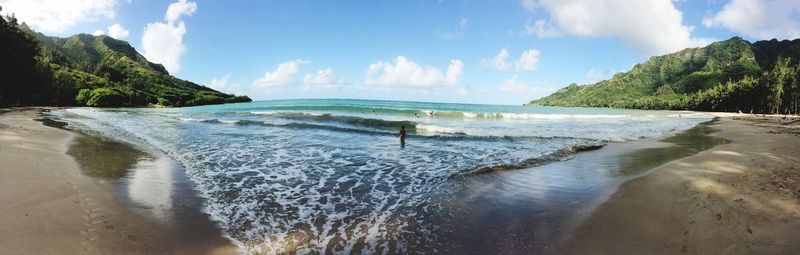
330,175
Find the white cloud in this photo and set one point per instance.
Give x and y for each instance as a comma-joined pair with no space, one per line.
58,16
178,9
528,61
761,19
117,31
219,84
322,79
498,62
222,85
454,72
282,75
528,5
514,86
649,27
404,72
539,28
287,74
163,42
596,75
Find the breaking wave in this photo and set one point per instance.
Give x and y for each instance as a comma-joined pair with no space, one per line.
331,179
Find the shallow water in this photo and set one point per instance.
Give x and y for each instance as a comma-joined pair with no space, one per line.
329,175
534,210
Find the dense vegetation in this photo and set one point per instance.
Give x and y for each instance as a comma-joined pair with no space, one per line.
88,70
731,75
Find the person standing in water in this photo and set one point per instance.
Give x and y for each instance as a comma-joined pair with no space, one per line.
402,136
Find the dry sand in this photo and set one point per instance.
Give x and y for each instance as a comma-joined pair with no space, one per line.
48,207
738,198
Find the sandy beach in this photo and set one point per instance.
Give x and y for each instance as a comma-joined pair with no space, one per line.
738,198
50,207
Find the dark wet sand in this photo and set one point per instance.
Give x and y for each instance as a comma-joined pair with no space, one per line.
151,185
69,193
738,198
534,211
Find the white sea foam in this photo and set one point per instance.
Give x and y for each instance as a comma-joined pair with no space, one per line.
279,190
691,115
536,116
523,116
192,119
435,129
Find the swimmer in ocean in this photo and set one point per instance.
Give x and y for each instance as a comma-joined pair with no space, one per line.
402,136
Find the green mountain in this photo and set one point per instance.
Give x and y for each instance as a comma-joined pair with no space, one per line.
88,70
728,75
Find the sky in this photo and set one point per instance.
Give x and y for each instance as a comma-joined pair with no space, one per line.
466,51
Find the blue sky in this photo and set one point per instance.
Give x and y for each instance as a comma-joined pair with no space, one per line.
500,52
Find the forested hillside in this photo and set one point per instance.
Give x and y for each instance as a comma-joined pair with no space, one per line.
86,70
730,75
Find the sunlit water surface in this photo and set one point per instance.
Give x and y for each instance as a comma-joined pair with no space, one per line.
330,176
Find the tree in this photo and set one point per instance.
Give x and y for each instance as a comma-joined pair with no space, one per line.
777,79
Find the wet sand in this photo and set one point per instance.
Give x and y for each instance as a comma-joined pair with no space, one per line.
737,198
68,193
534,210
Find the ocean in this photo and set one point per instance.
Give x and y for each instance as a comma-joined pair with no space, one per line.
330,175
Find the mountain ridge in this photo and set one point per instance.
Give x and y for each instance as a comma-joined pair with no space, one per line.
88,70
729,75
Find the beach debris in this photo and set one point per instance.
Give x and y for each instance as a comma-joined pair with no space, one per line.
749,230
591,147
719,216
786,181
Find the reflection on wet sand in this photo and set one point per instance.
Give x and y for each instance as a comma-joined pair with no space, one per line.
687,143
104,158
151,185
150,188
158,188
534,210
